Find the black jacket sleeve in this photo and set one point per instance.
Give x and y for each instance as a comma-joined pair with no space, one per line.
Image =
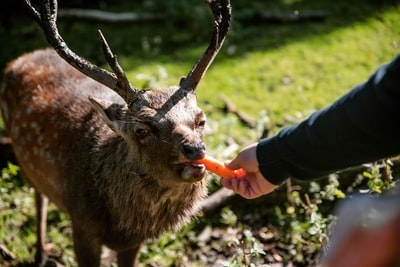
362,126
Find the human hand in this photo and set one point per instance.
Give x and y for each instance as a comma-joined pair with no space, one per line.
253,184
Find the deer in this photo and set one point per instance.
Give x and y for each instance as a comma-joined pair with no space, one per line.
117,159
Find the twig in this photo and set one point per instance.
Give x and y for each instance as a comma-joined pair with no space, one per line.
216,199
229,107
6,254
104,16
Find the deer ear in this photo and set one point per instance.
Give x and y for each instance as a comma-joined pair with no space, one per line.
111,112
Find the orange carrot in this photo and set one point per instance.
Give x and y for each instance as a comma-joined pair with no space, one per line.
219,168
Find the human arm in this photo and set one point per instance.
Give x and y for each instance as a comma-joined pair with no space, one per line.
361,126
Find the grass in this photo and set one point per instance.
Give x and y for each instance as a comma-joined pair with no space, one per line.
295,77
275,73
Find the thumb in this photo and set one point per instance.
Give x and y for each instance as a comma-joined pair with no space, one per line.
233,164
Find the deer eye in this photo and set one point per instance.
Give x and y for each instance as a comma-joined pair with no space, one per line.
201,123
141,133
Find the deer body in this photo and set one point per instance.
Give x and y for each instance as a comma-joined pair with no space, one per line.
116,192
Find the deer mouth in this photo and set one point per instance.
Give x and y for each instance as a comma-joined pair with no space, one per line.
192,172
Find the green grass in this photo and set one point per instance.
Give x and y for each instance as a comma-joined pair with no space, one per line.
276,73
291,79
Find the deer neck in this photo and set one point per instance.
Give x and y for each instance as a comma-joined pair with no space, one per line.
134,196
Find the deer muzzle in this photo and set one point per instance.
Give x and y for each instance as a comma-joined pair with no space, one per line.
190,171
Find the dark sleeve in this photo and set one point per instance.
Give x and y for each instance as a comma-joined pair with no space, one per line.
362,126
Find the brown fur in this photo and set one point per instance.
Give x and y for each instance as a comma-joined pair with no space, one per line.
123,175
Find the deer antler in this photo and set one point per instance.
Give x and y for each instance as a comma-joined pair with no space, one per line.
116,81
221,10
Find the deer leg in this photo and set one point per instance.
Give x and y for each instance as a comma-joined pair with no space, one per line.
41,202
129,258
87,248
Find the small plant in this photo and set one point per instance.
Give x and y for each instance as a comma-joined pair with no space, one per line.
306,219
379,176
245,246
17,222
16,214
304,226
247,249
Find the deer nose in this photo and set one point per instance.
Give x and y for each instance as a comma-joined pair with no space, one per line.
194,151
